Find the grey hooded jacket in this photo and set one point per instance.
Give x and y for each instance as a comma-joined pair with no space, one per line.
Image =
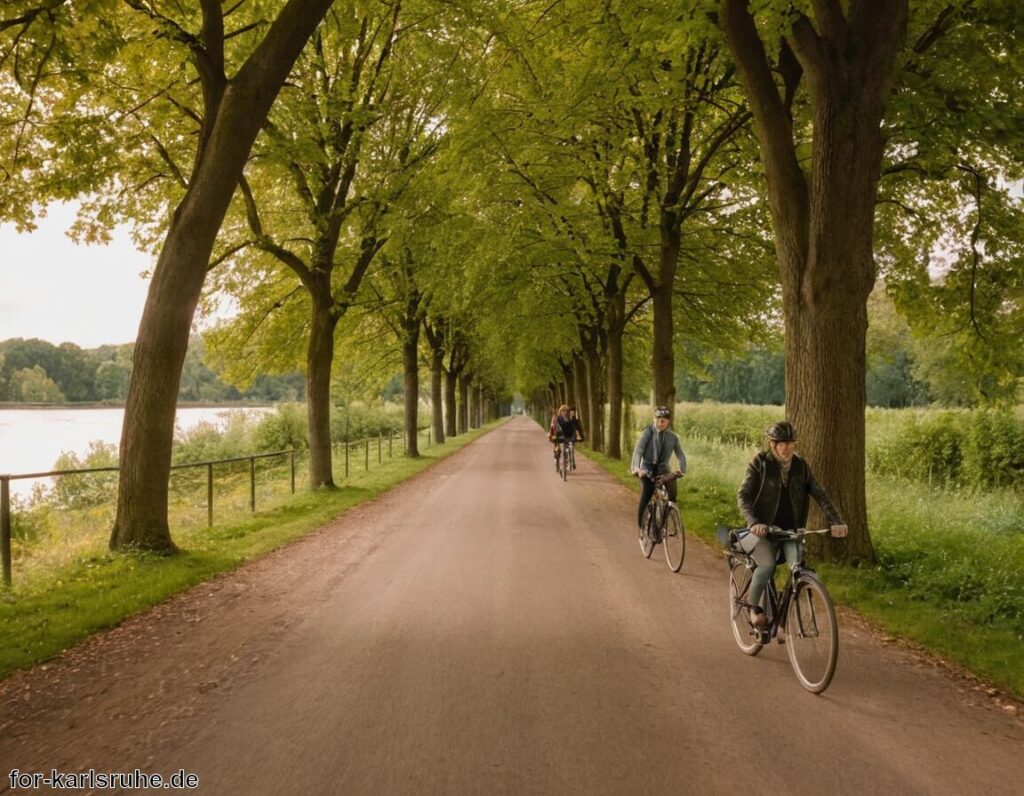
653,455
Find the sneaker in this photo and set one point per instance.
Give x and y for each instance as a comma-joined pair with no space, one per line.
757,618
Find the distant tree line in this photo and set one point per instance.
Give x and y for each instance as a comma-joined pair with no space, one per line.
903,369
39,372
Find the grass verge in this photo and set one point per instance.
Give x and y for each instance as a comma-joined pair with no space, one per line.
94,591
950,576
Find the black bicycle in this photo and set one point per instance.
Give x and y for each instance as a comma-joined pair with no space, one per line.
801,615
663,524
566,460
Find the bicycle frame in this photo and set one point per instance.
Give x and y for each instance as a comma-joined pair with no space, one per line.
778,602
661,500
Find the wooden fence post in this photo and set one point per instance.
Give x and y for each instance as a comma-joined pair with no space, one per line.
5,527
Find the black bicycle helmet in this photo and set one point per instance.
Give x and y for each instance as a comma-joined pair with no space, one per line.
663,411
782,431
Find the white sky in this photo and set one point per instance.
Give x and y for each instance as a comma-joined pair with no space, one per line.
59,291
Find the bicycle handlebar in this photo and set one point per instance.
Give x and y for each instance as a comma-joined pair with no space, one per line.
797,534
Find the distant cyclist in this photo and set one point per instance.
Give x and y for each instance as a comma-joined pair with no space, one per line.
652,455
562,428
775,492
579,436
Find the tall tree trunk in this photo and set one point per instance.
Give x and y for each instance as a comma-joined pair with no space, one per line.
571,396
593,368
824,226
319,361
411,384
663,358
437,394
616,315
234,111
579,373
464,379
450,406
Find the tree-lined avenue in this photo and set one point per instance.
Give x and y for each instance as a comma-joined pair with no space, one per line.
486,628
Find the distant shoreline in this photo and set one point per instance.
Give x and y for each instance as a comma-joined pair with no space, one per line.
120,405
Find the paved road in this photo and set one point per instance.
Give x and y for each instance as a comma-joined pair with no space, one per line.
485,628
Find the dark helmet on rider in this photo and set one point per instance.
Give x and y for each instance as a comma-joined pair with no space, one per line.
782,431
663,411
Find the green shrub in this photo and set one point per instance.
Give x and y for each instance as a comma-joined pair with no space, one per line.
732,424
208,441
929,448
359,421
994,450
285,429
85,489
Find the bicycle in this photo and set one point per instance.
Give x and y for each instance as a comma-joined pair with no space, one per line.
662,523
566,459
803,611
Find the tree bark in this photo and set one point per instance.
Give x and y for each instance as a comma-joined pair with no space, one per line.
450,405
464,379
592,359
411,384
437,394
663,358
319,361
234,112
616,319
824,226
579,374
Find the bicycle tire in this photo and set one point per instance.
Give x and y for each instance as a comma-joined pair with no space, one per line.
746,638
646,542
565,464
673,539
812,634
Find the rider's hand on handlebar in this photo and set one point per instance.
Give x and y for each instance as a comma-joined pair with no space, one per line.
759,530
839,531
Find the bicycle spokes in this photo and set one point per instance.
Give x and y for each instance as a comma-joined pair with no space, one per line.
812,634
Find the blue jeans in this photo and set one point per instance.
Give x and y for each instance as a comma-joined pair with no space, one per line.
765,554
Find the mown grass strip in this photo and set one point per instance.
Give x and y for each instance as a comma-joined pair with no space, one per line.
934,584
92,593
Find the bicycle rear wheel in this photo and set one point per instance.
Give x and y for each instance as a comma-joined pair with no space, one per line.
747,639
673,539
812,634
646,542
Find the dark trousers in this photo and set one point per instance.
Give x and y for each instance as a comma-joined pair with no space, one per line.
647,492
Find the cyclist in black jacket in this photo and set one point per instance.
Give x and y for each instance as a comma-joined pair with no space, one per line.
776,492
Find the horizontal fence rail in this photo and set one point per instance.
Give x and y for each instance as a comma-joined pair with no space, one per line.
366,442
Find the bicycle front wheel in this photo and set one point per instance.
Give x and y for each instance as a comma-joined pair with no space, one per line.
747,639
812,634
646,542
565,464
673,539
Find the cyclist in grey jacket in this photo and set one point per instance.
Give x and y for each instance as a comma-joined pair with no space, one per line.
776,491
652,455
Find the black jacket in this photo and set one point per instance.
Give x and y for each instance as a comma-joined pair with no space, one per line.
758,495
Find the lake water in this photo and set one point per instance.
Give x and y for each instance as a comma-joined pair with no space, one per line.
32,439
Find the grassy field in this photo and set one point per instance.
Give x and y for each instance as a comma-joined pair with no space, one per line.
950,574
65,592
